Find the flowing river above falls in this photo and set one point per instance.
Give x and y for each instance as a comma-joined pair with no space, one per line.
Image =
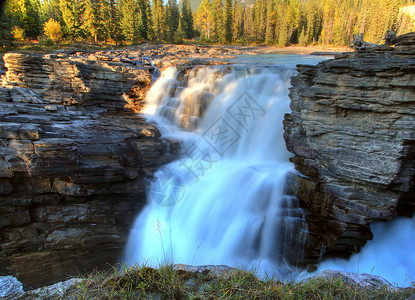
224,200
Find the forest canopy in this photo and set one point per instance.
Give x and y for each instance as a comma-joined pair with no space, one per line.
272,22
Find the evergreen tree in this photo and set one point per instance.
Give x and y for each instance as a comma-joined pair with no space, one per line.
49,9
158,18
238,22
26,15
71,11
216,12
6,38
172,19
227,16
270,25
91,20
186,20
113,24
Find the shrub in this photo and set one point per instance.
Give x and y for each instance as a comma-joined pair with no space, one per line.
53,30
18,33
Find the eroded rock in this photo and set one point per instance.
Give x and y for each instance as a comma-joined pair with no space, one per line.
73,174
352,130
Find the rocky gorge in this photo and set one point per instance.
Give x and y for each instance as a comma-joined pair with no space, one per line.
75,157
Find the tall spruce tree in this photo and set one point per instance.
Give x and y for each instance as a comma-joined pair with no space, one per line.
158,19
186,20
172,19
71,11
227,24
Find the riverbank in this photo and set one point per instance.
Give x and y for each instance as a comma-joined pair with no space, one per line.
215,282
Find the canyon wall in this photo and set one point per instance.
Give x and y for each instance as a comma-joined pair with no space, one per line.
74,163
352,133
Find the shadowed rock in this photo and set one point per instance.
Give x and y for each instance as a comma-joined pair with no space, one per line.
352,130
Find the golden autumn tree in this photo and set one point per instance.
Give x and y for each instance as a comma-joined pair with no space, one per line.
53,30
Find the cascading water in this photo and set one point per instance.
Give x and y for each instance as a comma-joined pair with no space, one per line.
391,253
223,202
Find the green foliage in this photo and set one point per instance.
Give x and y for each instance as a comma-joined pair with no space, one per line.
26,15
71,11
186,21
166,282
158,19
274,22
172,19
6,37
134,19
204,20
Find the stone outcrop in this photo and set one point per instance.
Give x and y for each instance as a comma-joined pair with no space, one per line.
92,80
352,130
74,165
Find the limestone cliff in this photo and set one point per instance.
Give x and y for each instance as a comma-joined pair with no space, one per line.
73,165
352,130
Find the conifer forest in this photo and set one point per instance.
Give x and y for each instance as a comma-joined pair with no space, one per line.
271,22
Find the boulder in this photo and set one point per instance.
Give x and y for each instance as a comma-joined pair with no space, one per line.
354,279
10,286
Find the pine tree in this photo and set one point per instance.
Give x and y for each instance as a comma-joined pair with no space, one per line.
227,16
172,19
238,22
270,25
216,13
71,11
158,18
25,14
91,20
113,27
186,20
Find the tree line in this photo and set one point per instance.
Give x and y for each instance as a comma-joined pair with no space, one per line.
302,22
100,21
273,22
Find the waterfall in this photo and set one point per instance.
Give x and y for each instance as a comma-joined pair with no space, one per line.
223,201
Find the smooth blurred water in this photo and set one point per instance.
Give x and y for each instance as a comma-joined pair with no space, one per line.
223,201
390,254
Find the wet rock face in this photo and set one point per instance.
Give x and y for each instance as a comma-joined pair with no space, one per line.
352,130
72,176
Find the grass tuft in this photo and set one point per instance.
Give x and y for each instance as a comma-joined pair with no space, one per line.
168,282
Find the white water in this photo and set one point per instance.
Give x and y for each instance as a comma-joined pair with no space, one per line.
391,253
223,202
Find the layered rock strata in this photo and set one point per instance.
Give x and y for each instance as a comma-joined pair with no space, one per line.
352,132
74,165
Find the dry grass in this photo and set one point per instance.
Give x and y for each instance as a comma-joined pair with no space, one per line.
167,283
